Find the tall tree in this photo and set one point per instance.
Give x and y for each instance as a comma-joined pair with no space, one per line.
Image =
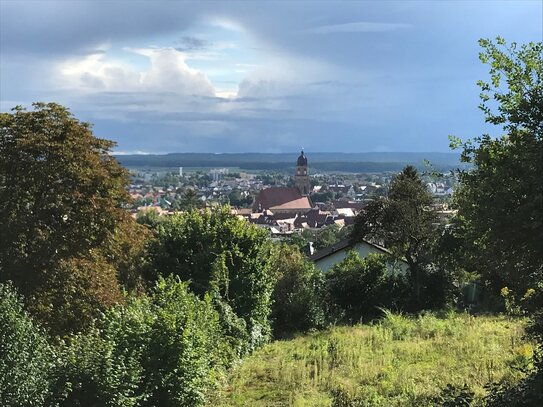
499,227
404,222
61,208
221,254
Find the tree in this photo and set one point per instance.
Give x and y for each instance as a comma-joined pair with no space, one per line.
498,231
404,222
499,227
299,295
190,200
63,197
221,254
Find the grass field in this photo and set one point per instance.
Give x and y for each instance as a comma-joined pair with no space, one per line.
398,362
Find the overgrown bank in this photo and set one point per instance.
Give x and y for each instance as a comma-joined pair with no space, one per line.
399,361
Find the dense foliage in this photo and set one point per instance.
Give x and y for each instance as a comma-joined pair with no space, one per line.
498,232
499,227
26,359
218,253
299,296
163,350
360,287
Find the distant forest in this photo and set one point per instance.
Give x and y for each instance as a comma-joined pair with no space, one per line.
347,162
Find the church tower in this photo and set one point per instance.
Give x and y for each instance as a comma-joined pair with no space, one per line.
301,178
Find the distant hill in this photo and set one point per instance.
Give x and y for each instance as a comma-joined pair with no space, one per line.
348,162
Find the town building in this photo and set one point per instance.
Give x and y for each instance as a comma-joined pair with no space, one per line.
287,199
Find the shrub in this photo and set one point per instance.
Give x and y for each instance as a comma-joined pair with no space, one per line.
298,296
359,286
165,350
26,360
220,254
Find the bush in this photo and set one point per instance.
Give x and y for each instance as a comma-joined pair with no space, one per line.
360,286
26,360
220,254
165,350
298,297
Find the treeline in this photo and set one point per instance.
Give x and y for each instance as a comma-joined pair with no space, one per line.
329,166
242,159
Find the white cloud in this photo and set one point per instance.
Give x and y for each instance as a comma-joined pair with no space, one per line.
168,72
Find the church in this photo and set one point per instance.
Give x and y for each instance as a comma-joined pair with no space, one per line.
287,199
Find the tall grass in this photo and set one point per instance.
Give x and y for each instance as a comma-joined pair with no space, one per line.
400,361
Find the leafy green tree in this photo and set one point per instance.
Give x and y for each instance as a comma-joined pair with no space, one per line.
63,195
161,350
359,286
498,231
499,227
299,295
405,222
220,254
26,359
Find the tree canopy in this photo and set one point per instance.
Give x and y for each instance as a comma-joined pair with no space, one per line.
221,254
61,210
404,222
499,227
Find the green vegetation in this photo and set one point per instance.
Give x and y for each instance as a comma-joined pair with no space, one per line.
220,255
25,356
68,244
405,223
299,296
358,287
399,361
499,227
165,349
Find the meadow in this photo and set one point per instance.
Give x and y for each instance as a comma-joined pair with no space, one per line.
399,361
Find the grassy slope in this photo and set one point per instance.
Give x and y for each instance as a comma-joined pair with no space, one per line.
399,362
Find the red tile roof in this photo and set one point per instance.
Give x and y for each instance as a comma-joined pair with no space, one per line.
282,198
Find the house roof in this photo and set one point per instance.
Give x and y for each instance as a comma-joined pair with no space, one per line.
281,198
341,245
301,203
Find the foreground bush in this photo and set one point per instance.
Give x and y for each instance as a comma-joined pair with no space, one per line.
165,350
359,287
298,296
26,360
220,254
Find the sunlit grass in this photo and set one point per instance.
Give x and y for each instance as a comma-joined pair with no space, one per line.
399,361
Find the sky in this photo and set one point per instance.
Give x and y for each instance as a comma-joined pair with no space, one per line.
248,76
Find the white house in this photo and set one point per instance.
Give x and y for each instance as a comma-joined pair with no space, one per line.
328,257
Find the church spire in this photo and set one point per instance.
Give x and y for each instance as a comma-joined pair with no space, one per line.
301,177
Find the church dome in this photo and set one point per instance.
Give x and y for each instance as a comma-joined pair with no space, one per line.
302,160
